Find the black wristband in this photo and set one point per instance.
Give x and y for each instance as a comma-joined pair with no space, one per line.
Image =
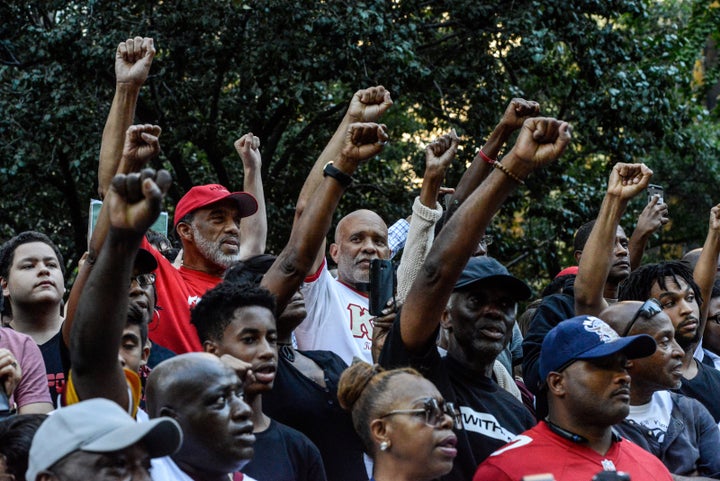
331,171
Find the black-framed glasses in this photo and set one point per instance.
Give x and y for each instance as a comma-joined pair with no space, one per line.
434,411
650,308
143,279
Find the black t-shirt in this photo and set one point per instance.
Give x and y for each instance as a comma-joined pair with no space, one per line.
553,309
313,410
705,388
284,454
54,366
491,416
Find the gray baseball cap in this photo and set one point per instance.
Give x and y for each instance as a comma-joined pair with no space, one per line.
97,426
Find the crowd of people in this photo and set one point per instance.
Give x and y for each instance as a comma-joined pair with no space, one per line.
207,359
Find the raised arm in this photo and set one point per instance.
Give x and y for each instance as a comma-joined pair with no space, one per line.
133,58
366,105
360,142
517,111
625,182
253,229
652,218
541,141
140,145
133,204
426,211
706,267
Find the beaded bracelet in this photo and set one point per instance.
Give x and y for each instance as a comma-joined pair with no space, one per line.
507,172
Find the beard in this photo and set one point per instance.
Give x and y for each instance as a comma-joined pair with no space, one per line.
688,341
212,252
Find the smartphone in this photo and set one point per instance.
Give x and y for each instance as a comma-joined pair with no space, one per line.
611,476
5,409
654,189
382,284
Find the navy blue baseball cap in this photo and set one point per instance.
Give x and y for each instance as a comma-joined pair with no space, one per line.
489,272
587,337
583,337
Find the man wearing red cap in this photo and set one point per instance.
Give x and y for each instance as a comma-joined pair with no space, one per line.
207,221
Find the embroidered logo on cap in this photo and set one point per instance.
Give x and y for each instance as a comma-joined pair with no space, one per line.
599,327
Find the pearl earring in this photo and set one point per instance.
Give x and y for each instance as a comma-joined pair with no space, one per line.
384,445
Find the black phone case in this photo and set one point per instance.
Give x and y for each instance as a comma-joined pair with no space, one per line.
382,284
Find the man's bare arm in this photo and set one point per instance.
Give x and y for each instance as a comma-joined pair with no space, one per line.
361,141
366,105
133,59
141,145
101,315
625,182
253,229
517,111
541,141
706,267
652,218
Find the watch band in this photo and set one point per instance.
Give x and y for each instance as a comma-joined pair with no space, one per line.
331,171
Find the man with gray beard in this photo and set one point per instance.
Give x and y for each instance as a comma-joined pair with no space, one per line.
207,221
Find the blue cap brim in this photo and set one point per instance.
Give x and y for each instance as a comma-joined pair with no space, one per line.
633,347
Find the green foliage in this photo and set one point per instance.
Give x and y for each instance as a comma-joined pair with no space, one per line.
619,71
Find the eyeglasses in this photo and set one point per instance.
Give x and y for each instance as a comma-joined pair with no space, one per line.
143,279
434,411
487,240
650,308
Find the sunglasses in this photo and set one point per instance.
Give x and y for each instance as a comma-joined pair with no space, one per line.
434,412
143,279
650,308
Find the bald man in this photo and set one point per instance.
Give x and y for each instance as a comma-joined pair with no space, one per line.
205,396
675,428
338,318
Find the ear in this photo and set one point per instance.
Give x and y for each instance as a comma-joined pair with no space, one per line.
577,255
379,430
184,230
145,354
446,320
169,412
4,285
556,384
211,347
334,252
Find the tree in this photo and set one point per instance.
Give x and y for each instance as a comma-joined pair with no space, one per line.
620,71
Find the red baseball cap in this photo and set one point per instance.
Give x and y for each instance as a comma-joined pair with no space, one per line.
572,270
203,195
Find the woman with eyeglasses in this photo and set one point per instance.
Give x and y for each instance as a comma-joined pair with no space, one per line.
403,421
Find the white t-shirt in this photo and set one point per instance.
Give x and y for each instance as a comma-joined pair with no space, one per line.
165,469
655,415
338,318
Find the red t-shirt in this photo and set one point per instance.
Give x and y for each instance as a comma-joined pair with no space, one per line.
539,450
177,291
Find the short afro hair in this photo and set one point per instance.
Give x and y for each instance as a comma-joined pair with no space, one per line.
215,310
